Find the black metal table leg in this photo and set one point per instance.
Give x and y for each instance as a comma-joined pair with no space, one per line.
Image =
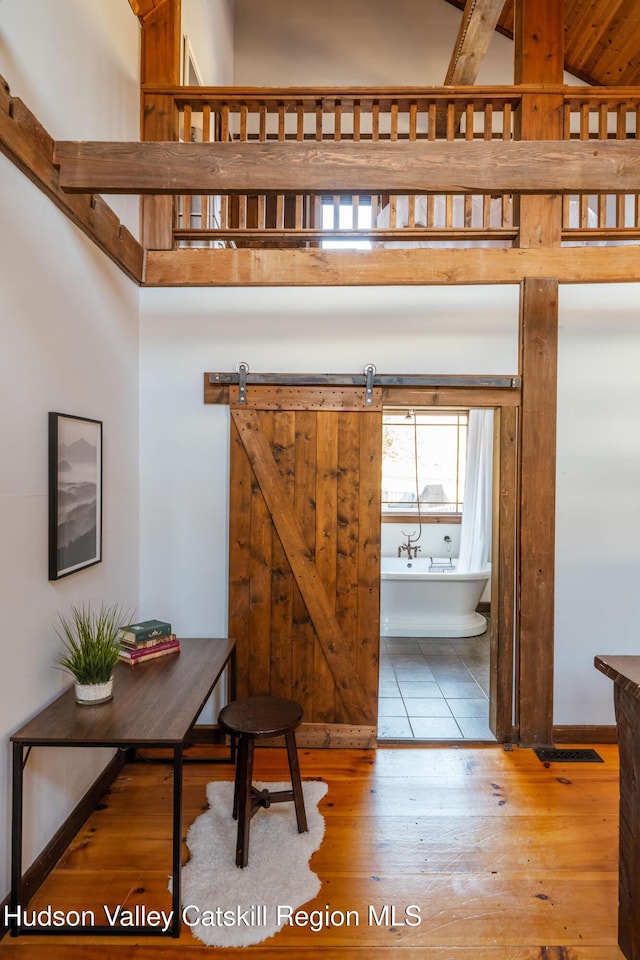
15,899
177,837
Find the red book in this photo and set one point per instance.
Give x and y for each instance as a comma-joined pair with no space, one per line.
148,653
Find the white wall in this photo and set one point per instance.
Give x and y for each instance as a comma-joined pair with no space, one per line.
598,494
360,42
68,342
208,24
75,64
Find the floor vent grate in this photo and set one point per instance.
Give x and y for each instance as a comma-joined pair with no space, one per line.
555,755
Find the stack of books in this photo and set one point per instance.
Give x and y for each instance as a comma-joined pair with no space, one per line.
146,640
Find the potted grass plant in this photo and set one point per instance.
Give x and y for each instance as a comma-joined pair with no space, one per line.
90,644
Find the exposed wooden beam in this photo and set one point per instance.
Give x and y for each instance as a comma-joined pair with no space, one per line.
539,58
28,145
477,27
460,166
160,64
539,370
142,8
259,268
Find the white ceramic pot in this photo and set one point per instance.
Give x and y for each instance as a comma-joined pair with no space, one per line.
94,692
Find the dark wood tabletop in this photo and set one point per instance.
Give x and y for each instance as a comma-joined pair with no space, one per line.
155,702
623,669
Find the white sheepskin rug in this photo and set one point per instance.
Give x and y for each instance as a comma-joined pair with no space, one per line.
229,906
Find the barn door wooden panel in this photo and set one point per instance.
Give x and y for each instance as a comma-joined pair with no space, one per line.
304,556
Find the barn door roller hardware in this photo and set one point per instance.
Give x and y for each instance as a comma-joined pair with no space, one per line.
369,378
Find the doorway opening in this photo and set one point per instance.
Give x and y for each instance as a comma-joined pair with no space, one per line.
435,625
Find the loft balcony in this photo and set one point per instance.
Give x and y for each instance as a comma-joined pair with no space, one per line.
361,186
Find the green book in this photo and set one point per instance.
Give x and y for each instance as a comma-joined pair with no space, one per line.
145,630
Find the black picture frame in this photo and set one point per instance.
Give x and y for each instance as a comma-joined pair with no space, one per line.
75,494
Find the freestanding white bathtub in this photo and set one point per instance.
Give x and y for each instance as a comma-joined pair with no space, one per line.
415,602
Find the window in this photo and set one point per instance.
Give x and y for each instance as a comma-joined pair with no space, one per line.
423,461
340,213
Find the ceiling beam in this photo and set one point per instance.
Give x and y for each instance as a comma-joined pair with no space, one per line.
402,167
302,268
477,27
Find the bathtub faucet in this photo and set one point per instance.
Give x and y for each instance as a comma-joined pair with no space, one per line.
410,549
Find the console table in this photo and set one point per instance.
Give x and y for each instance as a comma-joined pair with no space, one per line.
155,704
625,673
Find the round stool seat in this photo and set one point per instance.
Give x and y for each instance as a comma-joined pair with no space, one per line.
260,717
249,720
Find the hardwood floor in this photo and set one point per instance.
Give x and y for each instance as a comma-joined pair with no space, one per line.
508,859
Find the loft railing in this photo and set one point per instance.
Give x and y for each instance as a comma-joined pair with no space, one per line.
313,220
602,114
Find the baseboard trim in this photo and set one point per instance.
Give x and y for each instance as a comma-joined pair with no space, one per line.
47,859
585,734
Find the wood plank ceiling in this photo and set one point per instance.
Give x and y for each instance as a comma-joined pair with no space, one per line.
602,39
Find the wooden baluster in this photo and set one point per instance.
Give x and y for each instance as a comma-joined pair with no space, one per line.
432,115
413,122
336,212
337,120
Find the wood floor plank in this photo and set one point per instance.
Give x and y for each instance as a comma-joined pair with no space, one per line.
507,859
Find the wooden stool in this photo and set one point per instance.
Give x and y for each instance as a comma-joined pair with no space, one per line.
255,719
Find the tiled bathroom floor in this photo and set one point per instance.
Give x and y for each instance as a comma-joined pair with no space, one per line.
434,689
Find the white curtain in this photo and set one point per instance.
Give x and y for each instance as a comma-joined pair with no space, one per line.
475,530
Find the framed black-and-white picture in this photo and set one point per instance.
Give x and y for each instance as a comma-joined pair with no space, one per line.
75,494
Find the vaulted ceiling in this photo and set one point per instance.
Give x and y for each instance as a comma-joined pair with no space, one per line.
602,39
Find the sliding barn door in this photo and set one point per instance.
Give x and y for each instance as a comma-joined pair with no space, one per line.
304,555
